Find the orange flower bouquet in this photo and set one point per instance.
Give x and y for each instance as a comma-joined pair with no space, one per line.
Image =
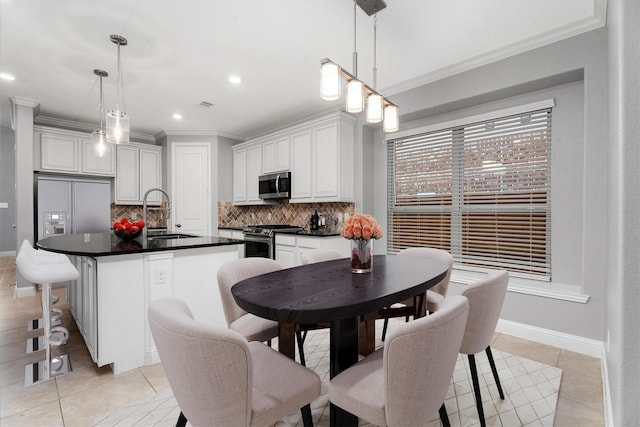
361,229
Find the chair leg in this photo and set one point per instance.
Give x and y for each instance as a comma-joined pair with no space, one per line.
476,389
384,328
269,342
300,347
444,418
307,420
420,305
182,420
495,371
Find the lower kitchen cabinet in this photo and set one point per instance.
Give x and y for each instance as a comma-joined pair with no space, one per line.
289,248
109,301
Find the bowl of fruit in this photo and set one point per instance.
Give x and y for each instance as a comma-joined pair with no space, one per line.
127,230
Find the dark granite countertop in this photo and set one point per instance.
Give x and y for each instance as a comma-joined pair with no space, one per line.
315,233
231,228
105,244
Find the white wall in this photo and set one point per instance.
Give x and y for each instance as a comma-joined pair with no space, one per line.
7,191
573,72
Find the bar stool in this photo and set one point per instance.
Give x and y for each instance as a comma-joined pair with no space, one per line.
46,268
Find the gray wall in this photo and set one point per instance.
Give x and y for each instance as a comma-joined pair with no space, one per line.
7,191
623,238
574,73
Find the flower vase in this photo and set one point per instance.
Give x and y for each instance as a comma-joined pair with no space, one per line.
361,255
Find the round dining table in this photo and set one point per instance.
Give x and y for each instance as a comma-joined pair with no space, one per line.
328,292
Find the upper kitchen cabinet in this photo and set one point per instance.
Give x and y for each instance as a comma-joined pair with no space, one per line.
139,168
70,152
276,154
322,167
247,167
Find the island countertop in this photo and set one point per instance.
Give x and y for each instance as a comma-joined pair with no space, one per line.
105,244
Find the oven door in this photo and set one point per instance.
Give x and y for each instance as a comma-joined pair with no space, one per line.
258,246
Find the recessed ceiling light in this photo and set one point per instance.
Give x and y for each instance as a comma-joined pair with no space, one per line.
6,76
177,116
235,79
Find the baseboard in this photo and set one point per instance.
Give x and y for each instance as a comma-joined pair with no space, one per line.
25,291
8,253
569,342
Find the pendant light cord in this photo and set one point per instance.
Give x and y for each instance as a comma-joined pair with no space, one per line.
355,50
101,106
375,48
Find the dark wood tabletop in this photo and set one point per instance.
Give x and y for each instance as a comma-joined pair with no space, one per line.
328,291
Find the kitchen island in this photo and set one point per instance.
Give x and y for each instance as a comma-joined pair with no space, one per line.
119,278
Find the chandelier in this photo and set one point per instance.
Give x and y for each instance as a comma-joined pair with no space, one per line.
378,108
117,119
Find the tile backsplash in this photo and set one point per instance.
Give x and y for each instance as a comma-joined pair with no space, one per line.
155,218
283,212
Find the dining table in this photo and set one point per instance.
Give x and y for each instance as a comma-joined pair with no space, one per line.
328,292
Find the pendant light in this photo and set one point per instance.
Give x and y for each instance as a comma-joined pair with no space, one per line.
117,119
99,137
378,108
374,101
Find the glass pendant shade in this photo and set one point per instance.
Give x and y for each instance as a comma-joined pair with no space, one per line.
117,127
374,108
355,98
390,118
99,140
330,83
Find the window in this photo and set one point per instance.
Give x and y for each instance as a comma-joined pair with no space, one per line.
479,189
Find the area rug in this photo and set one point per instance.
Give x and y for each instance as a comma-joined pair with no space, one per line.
530,388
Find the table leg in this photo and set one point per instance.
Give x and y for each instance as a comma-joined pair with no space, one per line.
367,334
287,339
343,353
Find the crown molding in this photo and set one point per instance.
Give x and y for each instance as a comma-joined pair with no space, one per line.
16,101
597,20
86,127
198,132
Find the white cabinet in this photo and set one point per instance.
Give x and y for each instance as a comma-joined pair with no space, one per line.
70,152
322,166
276,154
289,249
139,168
82,299
247,167
233,234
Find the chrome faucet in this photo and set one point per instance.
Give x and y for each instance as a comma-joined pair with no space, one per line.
144,207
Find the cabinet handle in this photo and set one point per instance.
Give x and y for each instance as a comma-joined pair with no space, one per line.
178,225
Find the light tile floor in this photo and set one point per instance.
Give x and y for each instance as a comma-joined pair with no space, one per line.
89,394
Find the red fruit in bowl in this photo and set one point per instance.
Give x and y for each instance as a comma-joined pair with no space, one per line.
134,229
118,226
127,225
124,221
139,224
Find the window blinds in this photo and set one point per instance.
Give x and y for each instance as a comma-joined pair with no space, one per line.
480,191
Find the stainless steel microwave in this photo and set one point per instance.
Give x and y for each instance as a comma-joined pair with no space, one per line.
275,186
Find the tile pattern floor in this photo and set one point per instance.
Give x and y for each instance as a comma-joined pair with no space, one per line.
90,393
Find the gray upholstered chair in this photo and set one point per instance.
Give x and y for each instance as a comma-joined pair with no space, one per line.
434,296
218,378
319,255
250,326
405,382
485,303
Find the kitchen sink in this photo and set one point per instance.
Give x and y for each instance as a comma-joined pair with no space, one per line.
170,236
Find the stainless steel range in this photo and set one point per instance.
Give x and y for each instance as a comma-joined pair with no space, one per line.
260,240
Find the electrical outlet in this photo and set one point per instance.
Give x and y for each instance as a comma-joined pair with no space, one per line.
269,216
160,276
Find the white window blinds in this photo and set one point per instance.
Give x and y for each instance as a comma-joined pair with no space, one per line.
480,191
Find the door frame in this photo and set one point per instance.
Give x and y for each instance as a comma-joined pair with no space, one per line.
208,146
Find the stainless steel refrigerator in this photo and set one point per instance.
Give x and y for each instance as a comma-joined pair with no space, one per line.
72,206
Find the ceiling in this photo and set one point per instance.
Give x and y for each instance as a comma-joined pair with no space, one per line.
181,52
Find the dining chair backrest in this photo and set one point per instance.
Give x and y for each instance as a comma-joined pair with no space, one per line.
319,255
436,254
209,368
235,271
419,359
485,303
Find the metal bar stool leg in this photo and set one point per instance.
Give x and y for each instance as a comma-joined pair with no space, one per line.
476,389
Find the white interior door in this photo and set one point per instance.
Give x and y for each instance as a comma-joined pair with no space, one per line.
191,188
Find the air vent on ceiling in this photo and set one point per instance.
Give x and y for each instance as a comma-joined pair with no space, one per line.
205,104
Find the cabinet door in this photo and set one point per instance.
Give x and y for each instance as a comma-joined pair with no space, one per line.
240,176
254,170
276,155
150,161
127,186
325,158
286,255
89,302
59,153
95,165
301,165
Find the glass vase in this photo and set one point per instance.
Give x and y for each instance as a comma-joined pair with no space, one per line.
361,255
